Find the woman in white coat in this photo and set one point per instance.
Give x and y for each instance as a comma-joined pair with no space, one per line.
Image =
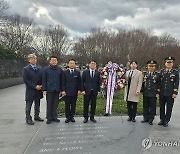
132,90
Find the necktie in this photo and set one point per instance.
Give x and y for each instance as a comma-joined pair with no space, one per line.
92,74
129,81
130,74
72,71
35,68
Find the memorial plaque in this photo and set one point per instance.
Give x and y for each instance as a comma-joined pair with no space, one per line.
108,135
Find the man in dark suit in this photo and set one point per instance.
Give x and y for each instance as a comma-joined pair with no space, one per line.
150,92
90,89
32,76
168,90
71,88
52,87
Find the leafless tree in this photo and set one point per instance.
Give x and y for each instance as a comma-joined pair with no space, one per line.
3,7
51,41
16,33
136,44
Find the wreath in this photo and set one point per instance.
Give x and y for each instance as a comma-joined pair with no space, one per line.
120,80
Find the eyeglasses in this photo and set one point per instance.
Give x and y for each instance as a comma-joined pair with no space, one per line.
93,63
32,58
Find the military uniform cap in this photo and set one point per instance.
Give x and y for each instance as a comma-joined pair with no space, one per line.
169,59
153,62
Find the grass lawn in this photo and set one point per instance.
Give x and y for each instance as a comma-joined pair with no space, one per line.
119,105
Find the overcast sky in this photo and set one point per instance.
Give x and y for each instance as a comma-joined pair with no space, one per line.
78,16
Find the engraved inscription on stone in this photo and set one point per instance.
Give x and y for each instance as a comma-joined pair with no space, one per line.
71,138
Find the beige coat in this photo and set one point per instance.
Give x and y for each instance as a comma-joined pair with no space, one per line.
136,84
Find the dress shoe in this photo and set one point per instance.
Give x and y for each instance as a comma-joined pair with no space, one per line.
85,120
93,120
133,120
106,114
38,119
48,121
129,119
67,121
29,122
144,121
165,124
72,120
161,123
56,120
150,122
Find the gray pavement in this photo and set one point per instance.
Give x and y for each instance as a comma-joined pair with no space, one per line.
161,137
15,135
110,135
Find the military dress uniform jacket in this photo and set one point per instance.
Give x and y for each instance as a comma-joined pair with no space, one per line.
150,85
169,82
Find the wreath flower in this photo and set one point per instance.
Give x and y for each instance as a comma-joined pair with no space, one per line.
120,81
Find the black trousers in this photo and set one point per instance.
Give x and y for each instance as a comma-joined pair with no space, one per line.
167,101
52,99
87,99
36,108
132,109
149,108
70,106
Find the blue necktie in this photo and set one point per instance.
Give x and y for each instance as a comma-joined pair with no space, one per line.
35,68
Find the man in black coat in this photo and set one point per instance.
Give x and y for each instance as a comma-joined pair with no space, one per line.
90,89
169,85
32,76
71,89
150,92
52,87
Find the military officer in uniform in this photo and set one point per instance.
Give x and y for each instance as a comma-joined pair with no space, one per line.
150,91
168,90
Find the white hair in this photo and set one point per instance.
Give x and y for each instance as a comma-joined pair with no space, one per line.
32,56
